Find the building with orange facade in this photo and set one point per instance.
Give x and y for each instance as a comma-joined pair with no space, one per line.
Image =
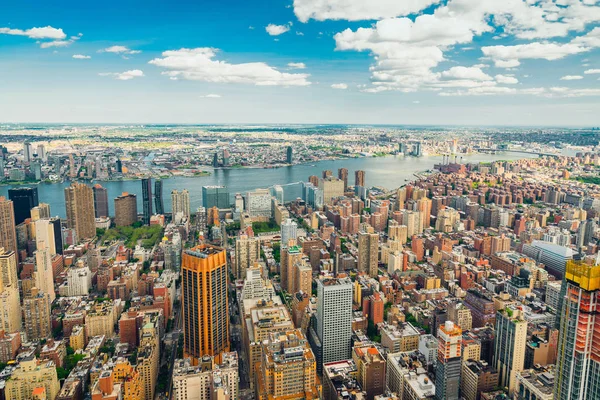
204,302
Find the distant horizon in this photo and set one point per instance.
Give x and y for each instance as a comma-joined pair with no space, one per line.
284,124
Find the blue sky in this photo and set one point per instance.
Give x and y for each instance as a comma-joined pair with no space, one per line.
464,62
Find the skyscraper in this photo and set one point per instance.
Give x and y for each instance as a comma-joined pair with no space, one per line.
343,175
289,230
58,241
215,196
158,197
79,202
125,209
180,203
100,201
287,369
24,199
247,251
359,178
8,234
331,337
449,362
27,152
289,154
578,365
10,315
205,303
147,200
368,251
509,346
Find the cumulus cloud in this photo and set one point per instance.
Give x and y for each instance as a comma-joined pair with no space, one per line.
296,65
120,50
81,57
211,96
124,76
47,32
276,30
199,64
571,78
407,51
591,71
357,10
339,86
506,79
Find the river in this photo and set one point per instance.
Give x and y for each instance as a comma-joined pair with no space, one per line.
388,172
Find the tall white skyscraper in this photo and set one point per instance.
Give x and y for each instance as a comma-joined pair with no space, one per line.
181,203
333,328
289,230
44,235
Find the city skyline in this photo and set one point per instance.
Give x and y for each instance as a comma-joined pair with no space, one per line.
492,63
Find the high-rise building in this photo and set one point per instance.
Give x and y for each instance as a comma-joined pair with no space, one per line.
33,379
368,252
258,203
215,196
287,369
180,202
509,346
290,255
359,178
578,365
331,332
343,175
24,199
205,304
277,192
158,197
289,154
289,230
8,234
36,310
371,367
147,200
58,239
42,210
247,251
332,188
100,201
449,362
27,152
208,380
10,321
126,209
79,202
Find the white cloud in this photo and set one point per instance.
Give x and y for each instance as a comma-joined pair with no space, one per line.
509,56
357,10
481,91
296,65
276,30
47,32
120,50
339,86
471,73
571,78
416,102
199,64
592,71
81,57
506,79
407,51
124,76
211,96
